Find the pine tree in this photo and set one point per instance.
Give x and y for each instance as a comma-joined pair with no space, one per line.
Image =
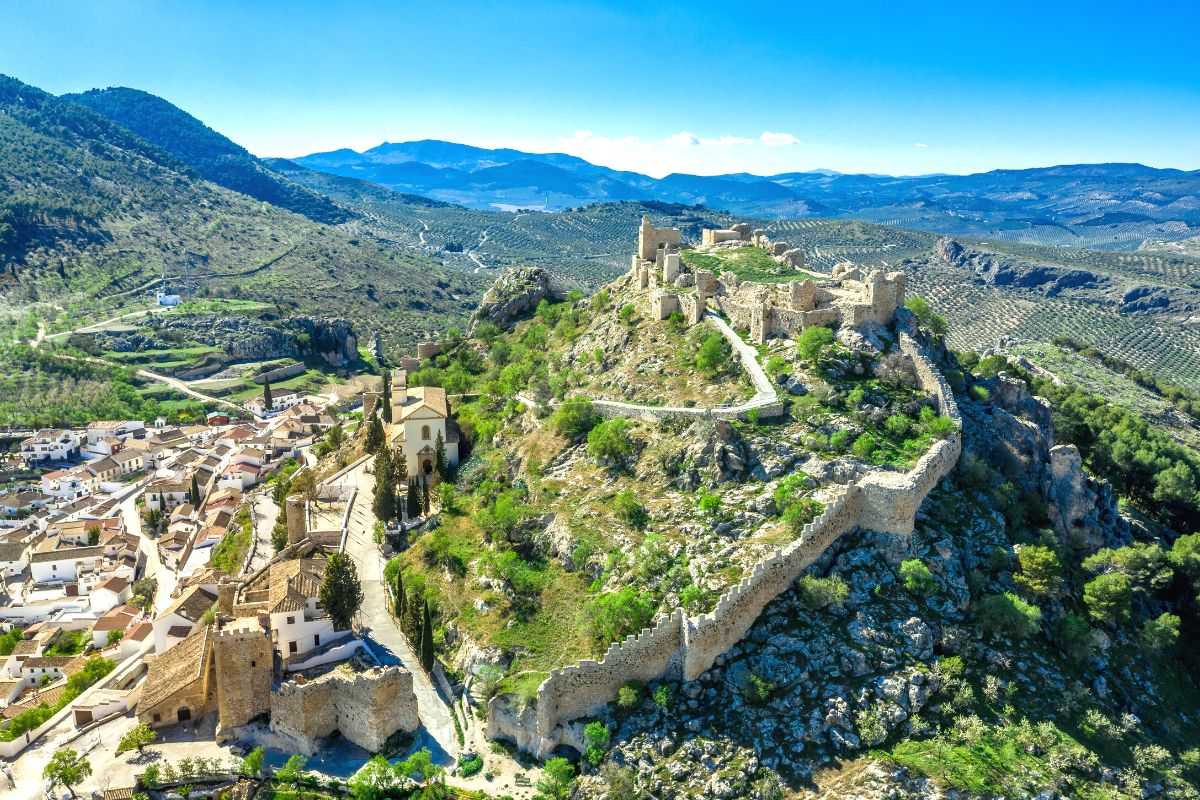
268,403
385,487
385,399
426,638
374,438
439,455
414,500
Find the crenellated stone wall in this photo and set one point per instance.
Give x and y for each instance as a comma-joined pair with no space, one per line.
679,646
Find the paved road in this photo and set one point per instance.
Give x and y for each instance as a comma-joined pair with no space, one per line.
382,633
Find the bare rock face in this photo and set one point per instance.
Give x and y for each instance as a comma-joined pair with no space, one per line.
516,293
1082,509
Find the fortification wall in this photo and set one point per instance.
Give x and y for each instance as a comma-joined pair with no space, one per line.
365,707
682,646
575,690
712,634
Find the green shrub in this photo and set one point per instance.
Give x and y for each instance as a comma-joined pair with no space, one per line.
925,314
816,593
776,365
596,737
813,343
610,441
916,576
712,355
936,425
756,690
1039,572
629,510
1008,615
1075,638
615,615
574,418
628,696
709,503
865,446
839,441
470,766
662,695
980,393
800,513
627,313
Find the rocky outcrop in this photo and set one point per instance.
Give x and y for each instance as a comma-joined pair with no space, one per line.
242,338
1015,429
1001,272
515,294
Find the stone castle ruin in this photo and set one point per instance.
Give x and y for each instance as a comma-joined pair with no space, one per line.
680,646
846,297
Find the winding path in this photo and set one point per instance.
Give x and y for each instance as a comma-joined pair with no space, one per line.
764,390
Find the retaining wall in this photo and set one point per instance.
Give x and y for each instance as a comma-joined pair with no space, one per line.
680,646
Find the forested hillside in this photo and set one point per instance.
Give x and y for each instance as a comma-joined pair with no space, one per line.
94,218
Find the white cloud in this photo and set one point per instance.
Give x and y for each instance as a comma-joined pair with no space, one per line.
774,139
920,144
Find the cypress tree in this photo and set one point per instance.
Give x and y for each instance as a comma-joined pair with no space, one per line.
411,608
374,438
385,487
414,501
400,609
386,398
400,467
425,496
194,493
268,403
439,455
426,638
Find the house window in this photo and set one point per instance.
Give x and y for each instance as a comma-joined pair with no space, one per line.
158,717
291,647
425,432
253,664
291,621
316,640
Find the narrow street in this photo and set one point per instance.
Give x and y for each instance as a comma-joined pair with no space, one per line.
154,567
264,516
381,631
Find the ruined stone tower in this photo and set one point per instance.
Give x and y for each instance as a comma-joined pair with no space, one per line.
297,524
244,661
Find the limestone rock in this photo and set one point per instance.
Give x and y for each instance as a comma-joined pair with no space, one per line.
515,294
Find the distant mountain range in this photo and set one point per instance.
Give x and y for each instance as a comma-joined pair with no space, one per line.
1109,206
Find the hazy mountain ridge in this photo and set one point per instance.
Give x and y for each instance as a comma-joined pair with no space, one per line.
1109,206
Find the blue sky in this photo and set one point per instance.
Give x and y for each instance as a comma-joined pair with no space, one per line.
900,88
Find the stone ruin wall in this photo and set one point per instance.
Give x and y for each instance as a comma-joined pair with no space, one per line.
366,708
613,408
682,647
